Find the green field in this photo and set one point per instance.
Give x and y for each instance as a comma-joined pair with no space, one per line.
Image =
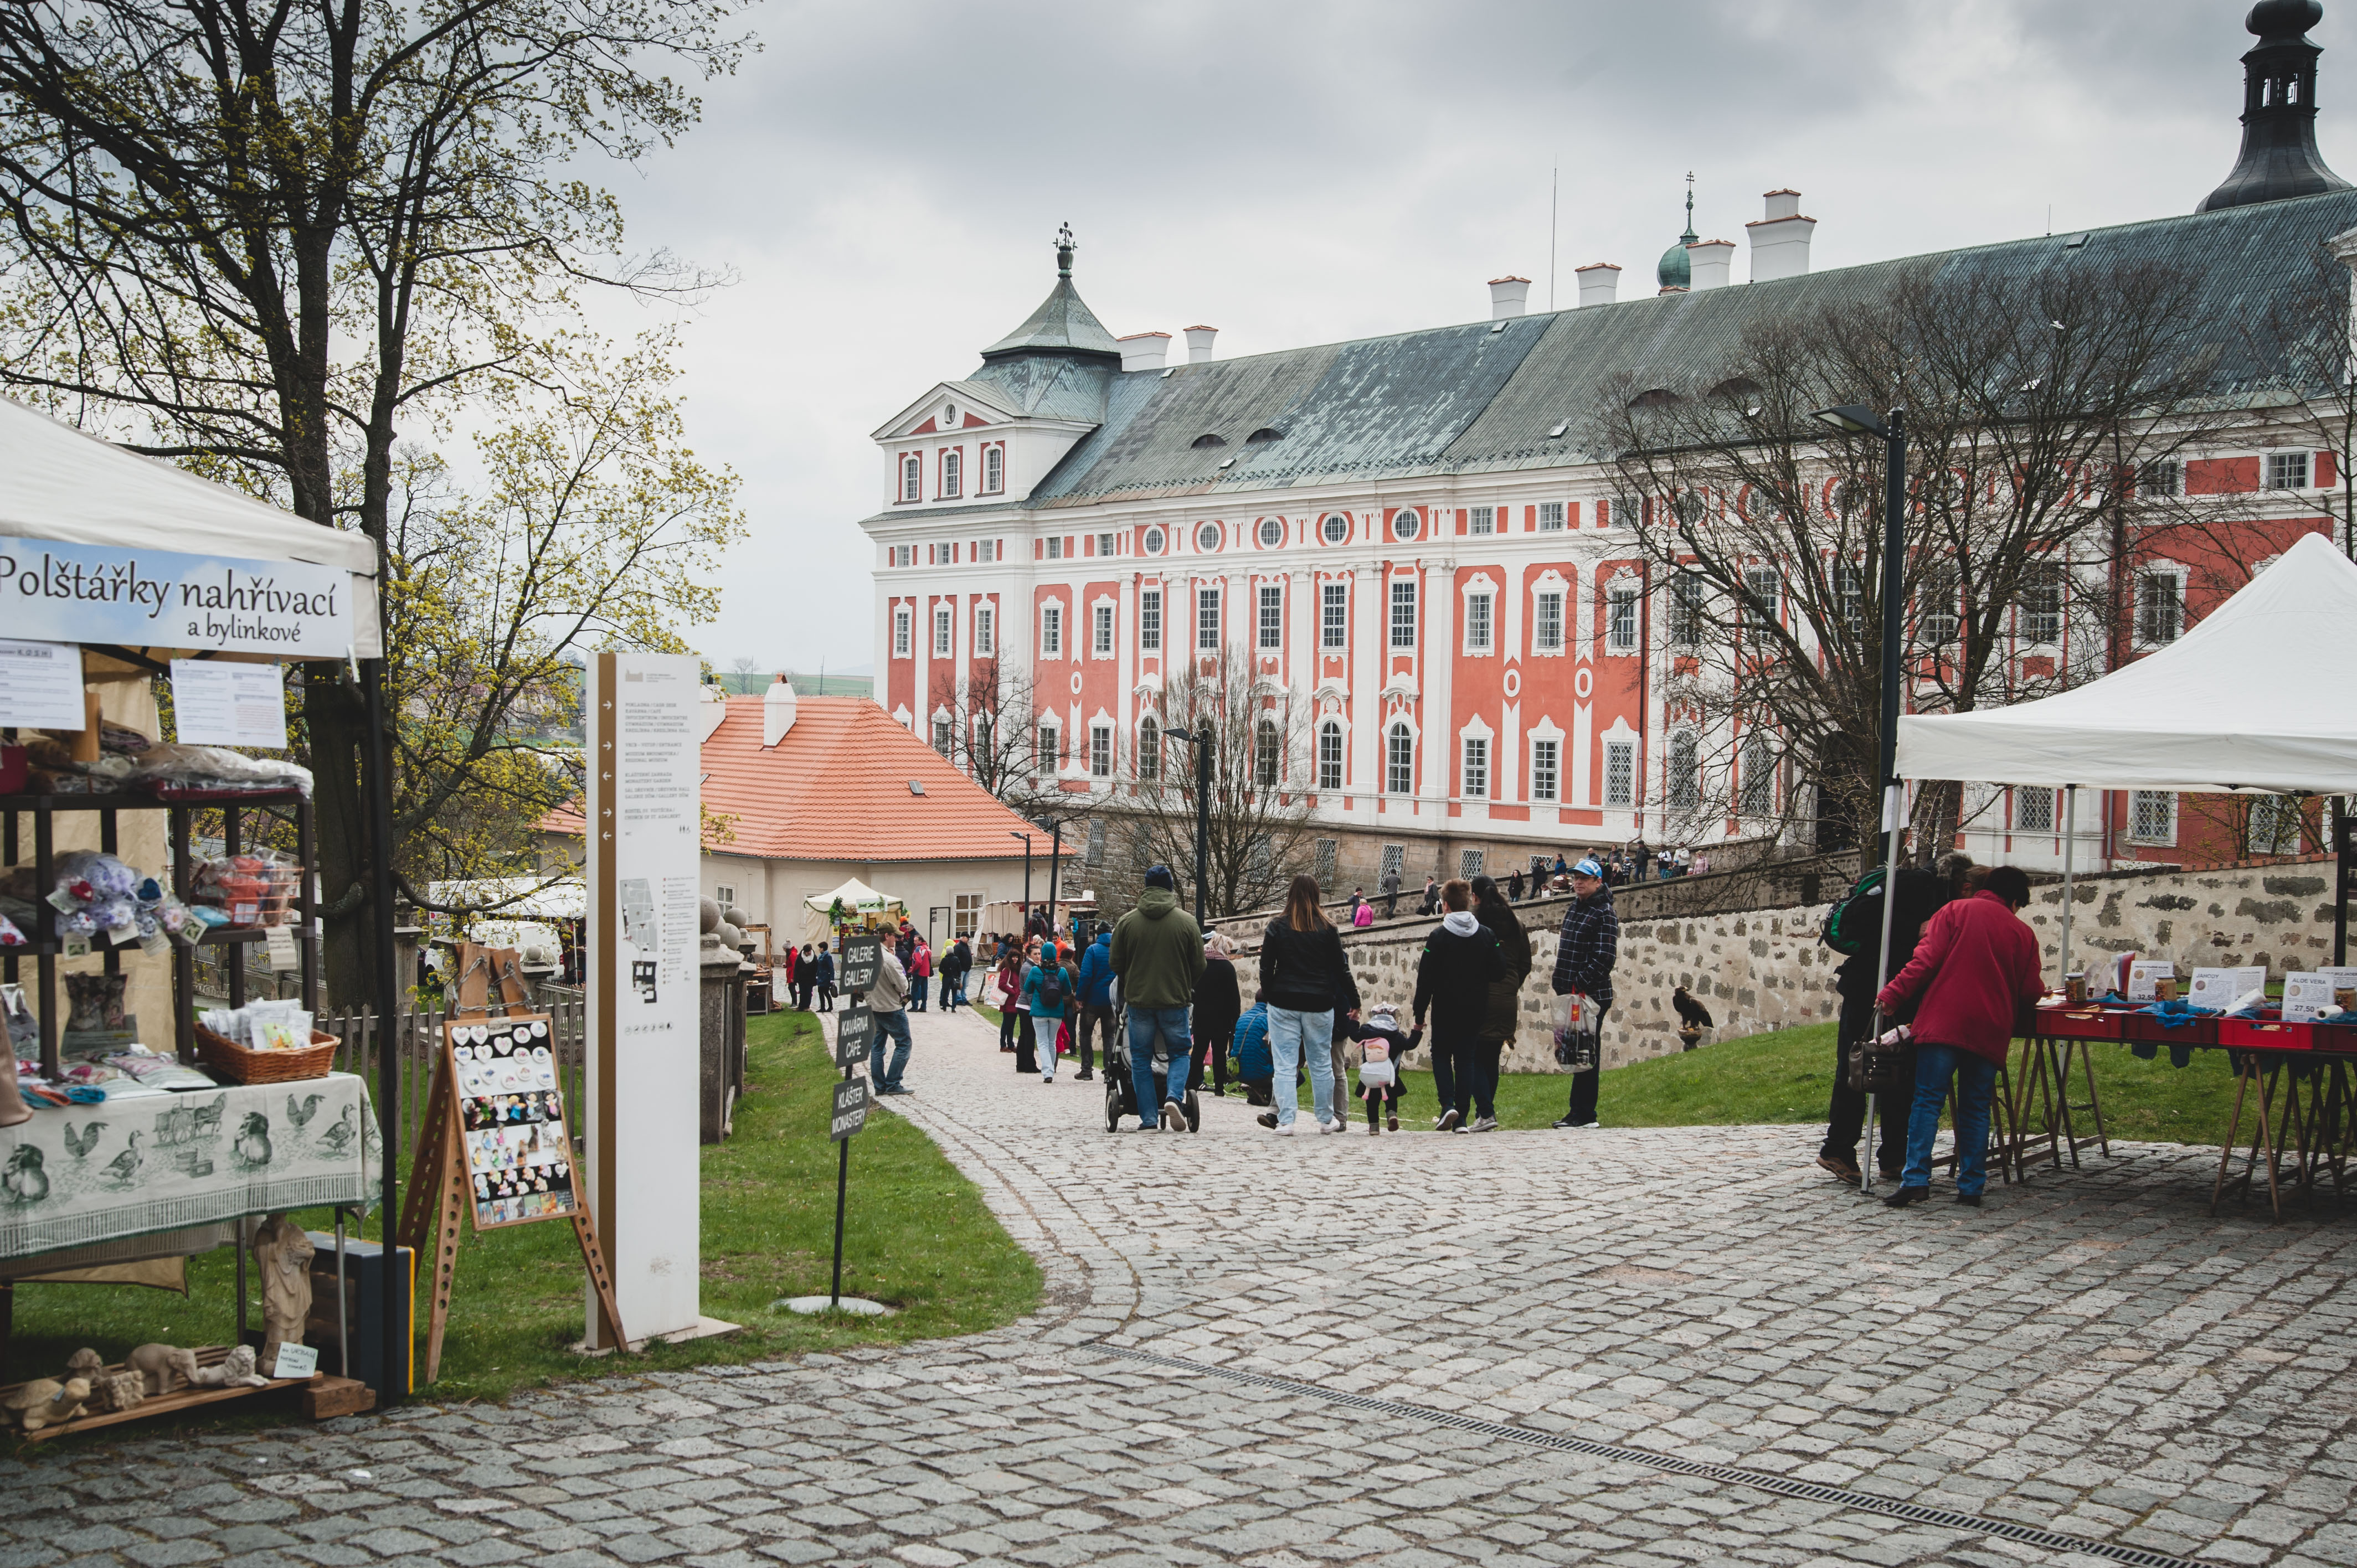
920,1238
1787,1076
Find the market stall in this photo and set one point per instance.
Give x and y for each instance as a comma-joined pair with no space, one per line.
854,907
150,1127
2225,708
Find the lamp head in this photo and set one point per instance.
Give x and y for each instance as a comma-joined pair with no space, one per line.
1853,419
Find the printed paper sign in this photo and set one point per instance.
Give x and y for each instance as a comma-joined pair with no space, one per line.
2306,998
295,1361
2220,989
215,704
40,684
284,954
156,598
2144,974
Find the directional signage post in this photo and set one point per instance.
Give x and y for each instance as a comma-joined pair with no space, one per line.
862,960
855,1029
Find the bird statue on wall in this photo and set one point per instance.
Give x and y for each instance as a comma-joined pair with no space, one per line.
125,1165
1694,1017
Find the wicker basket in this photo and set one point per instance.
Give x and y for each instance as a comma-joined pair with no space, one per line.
249,1066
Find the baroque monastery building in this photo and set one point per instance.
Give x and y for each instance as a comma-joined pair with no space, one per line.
1408,541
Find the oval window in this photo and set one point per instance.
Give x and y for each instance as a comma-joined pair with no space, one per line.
1154,542
1405,523
1207,538
1272,532
949,417
1336,528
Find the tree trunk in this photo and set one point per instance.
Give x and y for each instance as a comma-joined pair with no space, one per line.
332,711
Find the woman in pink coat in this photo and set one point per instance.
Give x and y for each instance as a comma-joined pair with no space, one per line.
1976,968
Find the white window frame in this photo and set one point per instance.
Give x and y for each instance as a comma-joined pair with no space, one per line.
1546,769
1334,616
1682,788
1473,766
944,734
1207,620
1051,630
903,632
1053,549
1148,761
1149,620
1047,747
1271,628
1754,617
1331,766
2174,575
1218,536
1402,597
903,554
1394,768
1408,525
1620,615
1101,751
953,472
1470,862
723,896
1481,622
1620,775
1102,642
1268,753
985,631
2152,817
1688,608
2286,827
1548,633
2025,818
2036,626
965,914
2287,470
912,478
1756,789
944,631
994,468
1551,516
1107,545
1481,521
1330,534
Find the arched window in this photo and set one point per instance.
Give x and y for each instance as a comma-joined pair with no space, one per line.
1149,748
1329,756
1268,753
1686,771
994,469
1264,434
913,479
1208,439
1050,753
1399,760
953,472
1759,776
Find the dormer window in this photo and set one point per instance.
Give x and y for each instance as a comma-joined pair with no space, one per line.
913,479
1264,434
952,474
994,469
1209,440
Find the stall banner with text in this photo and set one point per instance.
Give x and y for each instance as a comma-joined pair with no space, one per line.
154,598
644,833
511,1120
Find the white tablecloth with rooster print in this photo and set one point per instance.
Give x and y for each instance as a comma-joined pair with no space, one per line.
160,1162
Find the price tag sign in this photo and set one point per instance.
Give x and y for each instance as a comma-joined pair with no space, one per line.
850,1110
295,1360
2145,976
2306,998
279,940
2219,989
862,960
854,1031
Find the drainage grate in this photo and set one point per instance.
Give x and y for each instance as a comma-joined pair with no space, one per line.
1727,1475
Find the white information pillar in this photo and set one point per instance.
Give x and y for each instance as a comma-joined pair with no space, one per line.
643,1057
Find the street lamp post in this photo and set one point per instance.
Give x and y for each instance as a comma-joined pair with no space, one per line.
1055,865
1199,743
1855,419
1026,873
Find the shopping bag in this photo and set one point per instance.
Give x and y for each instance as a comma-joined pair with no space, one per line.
1575,1033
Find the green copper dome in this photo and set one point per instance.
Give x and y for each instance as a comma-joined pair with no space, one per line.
1674,270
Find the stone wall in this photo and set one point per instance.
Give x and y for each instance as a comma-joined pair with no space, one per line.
1764,969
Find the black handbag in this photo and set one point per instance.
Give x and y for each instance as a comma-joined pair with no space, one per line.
1879,1068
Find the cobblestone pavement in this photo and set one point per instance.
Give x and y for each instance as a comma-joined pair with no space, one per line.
2090,1357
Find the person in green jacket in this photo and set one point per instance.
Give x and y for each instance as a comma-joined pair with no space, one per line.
1158,952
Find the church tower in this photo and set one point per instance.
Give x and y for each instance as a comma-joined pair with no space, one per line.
2279,157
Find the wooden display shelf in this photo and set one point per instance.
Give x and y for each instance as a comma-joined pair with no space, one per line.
217,936
141,801
186,1399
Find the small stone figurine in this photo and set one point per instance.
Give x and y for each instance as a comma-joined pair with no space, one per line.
282,1253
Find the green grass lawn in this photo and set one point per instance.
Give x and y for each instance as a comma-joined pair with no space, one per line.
1787,1076
918,1238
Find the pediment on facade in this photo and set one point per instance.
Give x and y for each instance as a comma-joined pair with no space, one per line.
970,397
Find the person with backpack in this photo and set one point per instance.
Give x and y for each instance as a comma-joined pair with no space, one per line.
1047,990
1854,928
1158,952
1094,1014
1453,977
1585,951
1505,1013
1305,976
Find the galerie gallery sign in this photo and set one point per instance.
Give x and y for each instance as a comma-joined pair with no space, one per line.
56,592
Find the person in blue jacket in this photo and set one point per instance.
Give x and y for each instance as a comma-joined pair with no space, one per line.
1255,1066
1093,1008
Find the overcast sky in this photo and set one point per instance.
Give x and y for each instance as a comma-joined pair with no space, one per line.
885,181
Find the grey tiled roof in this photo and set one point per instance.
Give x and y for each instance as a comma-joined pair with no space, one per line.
1471,399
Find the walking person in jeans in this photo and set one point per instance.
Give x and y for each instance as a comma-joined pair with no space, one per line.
890,1003
1491,909
1452,983
1975,970
1218,1004
1094,1014
1584,955
1158,950
1305,976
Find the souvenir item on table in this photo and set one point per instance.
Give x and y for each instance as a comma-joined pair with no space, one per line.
12,935
45,1402
282,1254
95,1002
254,889
519,1157
112,1391
164,1369
172,769
158,1069
234,1370
121,739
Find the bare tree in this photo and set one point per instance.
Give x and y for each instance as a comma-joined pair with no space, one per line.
2031,400
992,727
744,668
1256,735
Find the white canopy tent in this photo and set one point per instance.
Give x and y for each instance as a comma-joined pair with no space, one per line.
856,898
2254,700
75,488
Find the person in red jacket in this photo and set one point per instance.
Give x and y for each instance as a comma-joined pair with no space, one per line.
1975,968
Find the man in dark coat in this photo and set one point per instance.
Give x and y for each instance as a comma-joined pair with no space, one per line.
1585,952
1920,895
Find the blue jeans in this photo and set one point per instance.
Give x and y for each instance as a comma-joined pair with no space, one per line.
917,983
1975,1087
1175,1026
1291,1037
894,1024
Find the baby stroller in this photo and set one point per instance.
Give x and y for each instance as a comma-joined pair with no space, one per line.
1121,1090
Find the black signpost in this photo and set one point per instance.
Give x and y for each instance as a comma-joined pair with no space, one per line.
853,1031
862,960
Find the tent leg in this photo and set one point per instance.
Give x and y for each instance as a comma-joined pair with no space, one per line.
2069,826
1894,818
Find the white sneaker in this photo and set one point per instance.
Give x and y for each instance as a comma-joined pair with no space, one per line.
1330,1126
1485,1124
1174,1116
1285,1129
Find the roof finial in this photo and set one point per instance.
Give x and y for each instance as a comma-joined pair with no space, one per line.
1065,246
1689,235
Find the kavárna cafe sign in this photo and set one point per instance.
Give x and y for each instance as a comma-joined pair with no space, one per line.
53,592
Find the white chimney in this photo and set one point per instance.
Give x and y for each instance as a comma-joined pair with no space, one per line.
713,709
1599,282
1143,350
1780,242
1710,264
776,712
1509,296
1199,343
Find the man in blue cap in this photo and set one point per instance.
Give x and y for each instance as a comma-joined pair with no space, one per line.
1158,950
1584,955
